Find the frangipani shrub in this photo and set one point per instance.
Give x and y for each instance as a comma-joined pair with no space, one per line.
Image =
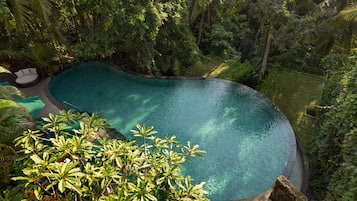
67,160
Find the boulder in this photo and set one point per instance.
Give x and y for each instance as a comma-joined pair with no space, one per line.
285,191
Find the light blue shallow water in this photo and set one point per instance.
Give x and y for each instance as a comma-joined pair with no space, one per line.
248,142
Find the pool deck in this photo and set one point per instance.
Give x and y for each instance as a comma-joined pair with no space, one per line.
40,90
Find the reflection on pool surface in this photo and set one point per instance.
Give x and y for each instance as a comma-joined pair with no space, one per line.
248,142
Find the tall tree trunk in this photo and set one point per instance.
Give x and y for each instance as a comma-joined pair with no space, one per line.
259,32
200,29
267,47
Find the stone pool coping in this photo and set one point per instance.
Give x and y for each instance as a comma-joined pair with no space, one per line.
295,145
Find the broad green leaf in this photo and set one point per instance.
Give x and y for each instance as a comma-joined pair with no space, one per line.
4,70
53,183
77,188
150,197
62,185
36,158
37,192
20,178
30,171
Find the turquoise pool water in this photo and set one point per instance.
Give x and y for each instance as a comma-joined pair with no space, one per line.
249,143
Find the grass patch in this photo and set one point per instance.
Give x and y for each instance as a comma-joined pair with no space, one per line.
205,66
293,92
225,69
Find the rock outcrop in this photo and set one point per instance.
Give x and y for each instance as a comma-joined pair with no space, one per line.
285,191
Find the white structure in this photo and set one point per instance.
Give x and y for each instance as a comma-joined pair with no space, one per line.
27,77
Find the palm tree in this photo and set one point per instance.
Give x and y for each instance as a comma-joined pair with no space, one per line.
343,30
22,12
269,13
198,7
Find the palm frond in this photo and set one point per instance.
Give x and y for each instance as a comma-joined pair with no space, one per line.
42,8
4,70
20,12
346,16
10,92
197,8
9,108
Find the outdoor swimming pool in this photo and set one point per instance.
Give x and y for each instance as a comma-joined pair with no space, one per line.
248,141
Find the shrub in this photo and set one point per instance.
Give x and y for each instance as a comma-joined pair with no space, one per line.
220,42
74,163
333,148
243,73
14,119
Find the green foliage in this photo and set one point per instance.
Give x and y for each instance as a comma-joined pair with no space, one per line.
156,37
344,25
5,16
220,42
269,81
40,53
139,33
175,46
332,89
10,92
226,36
14,119
243,73
4,70
12,194
343,184
336,64
332,151
61,161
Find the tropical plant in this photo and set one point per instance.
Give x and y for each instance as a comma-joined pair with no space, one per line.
21,12
14,119
60,162
220,41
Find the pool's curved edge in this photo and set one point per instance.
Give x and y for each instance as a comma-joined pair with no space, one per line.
50,97
305,166
295,142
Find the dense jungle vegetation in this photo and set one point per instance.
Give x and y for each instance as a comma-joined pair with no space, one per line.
256,38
